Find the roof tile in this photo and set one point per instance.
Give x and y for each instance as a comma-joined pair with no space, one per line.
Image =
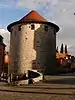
33,16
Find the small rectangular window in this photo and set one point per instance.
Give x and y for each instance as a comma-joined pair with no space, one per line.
19,28
32,26
46,28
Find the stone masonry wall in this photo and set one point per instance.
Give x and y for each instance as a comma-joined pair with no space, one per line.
28,45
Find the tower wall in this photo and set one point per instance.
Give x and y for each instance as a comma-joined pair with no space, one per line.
32,48
45,46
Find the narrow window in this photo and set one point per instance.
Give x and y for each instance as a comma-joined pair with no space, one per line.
15,33
46,28
19,28
29,26
37,41
32,26
11,30
38,62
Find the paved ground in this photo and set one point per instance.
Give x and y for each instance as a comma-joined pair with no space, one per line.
54,88
63,79
26,96
37,92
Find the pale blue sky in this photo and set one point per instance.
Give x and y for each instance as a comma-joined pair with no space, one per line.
60,12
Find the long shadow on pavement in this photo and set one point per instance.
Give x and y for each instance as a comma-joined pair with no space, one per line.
69,81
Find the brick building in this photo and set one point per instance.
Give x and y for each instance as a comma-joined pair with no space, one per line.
2,51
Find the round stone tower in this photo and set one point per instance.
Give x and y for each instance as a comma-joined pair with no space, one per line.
32,45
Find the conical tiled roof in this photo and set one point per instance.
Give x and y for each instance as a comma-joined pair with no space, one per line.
33,16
